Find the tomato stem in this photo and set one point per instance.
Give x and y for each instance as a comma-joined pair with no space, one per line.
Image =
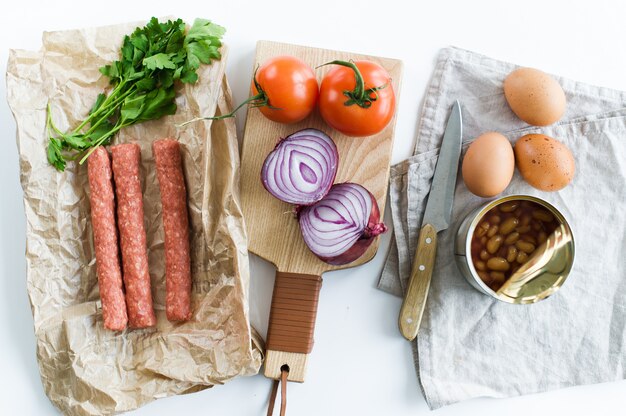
258,100
359,95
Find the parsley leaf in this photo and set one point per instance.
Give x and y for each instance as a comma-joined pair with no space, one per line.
160,61
202,44
203,29
55,157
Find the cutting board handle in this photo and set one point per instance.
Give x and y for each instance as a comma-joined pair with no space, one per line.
292,324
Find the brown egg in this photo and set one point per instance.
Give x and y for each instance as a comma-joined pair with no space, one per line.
534,96
544,163
488,165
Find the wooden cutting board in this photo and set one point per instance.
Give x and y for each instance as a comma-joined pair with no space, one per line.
273,231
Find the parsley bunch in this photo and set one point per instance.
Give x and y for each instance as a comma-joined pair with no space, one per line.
152,59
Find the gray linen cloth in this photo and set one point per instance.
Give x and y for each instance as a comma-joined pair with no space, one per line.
469,344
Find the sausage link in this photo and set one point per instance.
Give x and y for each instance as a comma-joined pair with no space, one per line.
102,201
176,227
126,158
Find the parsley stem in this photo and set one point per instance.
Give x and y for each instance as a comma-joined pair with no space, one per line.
114,106
93,115
50,123
258,100
102,140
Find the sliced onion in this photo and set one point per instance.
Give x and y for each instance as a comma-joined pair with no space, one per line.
302,167
342,225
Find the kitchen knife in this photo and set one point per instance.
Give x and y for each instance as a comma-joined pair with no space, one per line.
436,218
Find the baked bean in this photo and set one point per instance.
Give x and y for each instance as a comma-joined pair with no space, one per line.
542,215
542,237
525,246
484,276
498,264
512,238
494,243
511,254
509,206
506,237
497,277
508,225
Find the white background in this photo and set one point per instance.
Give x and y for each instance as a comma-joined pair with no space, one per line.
360,363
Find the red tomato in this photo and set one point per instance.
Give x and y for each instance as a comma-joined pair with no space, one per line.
288,89
353,109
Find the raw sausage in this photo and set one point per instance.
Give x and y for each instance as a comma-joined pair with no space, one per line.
126,158
105,240
176,226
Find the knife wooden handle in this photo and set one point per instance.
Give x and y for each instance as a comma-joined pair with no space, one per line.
419,283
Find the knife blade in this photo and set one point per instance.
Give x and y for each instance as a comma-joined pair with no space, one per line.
436,218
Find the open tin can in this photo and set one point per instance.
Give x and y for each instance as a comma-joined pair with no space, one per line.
543,273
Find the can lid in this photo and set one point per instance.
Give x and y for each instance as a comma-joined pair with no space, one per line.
544,272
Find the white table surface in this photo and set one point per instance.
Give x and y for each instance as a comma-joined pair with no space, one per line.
360,364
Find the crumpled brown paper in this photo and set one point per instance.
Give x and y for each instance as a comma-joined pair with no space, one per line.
86,369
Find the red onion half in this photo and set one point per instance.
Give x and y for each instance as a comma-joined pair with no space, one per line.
301,168
342,225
